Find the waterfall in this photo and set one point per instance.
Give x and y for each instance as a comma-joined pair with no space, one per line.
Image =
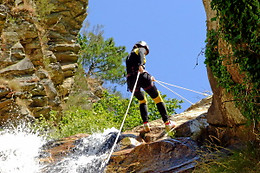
20,150
88,156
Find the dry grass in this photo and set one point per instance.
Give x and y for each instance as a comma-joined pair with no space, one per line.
216,159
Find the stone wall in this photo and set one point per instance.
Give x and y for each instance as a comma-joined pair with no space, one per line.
38,55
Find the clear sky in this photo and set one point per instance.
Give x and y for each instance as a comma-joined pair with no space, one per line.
175,31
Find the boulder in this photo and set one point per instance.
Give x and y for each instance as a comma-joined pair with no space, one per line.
168,155
194,122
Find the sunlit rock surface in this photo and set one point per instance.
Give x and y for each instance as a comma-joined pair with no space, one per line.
38,55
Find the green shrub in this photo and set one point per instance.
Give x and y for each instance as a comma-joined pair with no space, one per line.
106,113
79,120
115,107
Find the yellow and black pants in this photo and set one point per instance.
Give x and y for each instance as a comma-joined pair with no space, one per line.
147,84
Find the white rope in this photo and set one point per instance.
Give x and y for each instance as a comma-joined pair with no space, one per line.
183,88
131,98
174,92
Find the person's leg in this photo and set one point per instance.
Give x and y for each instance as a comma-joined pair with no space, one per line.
153,92
155,95
149,87
142,105
139,95
142,101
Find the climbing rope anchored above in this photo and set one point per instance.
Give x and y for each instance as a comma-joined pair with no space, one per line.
161,83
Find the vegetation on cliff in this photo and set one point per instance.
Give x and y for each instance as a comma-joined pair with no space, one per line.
232,54
239,28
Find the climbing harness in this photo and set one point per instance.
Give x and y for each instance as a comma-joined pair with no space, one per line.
161,83
121,127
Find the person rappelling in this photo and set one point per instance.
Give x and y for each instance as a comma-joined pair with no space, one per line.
135,62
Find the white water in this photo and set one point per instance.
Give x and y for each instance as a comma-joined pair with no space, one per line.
20,149
89,154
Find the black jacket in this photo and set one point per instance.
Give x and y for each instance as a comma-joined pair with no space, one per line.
135,59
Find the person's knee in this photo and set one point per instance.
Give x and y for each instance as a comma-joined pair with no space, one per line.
158,99
143,101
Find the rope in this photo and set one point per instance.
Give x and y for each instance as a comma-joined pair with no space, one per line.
121,127
183,88
174,92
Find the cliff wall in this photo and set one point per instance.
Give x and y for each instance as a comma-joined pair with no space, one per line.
38,55
226,122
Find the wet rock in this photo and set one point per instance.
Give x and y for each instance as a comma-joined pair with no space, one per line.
168,155
39,101
35,89
55,150
38,111
42,74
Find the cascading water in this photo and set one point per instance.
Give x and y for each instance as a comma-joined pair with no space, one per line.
88,156
20,150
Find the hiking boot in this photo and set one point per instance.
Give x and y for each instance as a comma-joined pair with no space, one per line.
146,127
169,125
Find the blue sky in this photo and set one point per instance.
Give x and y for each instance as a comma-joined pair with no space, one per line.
175,32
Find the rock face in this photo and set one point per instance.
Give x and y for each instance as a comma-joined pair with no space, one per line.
168,155
38,55
226,123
